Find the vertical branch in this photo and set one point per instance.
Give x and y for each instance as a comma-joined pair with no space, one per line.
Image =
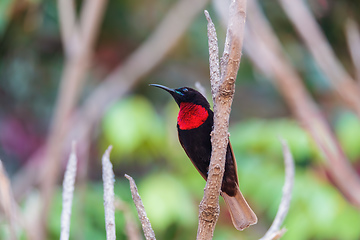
145,223
274,231
213,55
109,205
222,92
67,18
305,23
68,192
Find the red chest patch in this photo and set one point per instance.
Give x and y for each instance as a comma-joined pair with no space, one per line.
191,116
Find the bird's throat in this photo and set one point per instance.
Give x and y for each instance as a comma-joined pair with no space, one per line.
191,116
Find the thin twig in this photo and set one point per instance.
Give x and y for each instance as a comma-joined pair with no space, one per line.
309,30
274,231
109,205
268,55
353,41
213,54
145,223
68,192
222,92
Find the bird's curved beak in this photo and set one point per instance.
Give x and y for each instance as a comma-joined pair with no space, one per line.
178,96
170,90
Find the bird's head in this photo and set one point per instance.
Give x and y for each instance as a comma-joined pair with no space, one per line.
186,95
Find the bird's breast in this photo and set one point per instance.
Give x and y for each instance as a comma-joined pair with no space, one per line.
191,116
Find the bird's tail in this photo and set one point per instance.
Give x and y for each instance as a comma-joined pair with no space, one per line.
242,215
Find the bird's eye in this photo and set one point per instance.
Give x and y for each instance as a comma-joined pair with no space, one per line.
185,90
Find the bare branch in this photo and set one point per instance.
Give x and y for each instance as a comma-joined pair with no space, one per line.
109,205
213,54
309,30
90,20
68,192
222,92
353,41
69,31
274,231
132,230
304,108
145,223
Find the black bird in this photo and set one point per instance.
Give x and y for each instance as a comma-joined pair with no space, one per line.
194,124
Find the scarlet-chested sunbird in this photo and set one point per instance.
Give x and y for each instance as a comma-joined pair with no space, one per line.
194,124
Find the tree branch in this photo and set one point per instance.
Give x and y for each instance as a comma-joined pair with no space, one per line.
274,231
145,223
68,26
67,194
222,92
109,205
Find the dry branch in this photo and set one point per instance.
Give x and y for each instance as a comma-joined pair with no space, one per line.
132,231
109,205
67,194
274,231
222,88
266,53
145,223
68,26
309,30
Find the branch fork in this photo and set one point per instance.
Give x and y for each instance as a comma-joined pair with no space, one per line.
222,89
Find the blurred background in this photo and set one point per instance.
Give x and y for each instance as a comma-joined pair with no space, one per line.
140,121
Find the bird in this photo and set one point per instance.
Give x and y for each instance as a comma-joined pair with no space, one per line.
194,124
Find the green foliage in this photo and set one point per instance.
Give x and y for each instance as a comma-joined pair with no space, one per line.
134,129
317,209
262,137
348,133
167,202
